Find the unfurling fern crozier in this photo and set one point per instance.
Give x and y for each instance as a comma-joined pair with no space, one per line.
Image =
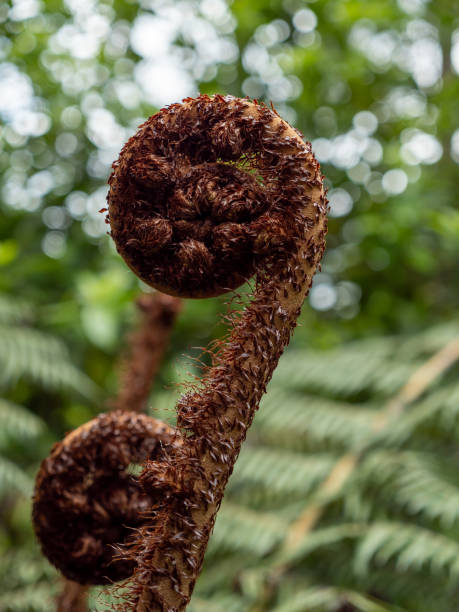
206,194
86,500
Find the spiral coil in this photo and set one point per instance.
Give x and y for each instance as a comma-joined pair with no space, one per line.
87,502
202,192
206,194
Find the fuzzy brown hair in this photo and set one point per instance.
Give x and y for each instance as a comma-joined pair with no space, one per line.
205,194
86,500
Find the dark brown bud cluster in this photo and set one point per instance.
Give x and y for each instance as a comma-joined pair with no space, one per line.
202,193
87,501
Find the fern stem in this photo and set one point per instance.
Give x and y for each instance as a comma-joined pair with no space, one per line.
217,224
146,349
73,597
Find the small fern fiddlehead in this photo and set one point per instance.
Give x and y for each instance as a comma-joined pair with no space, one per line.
207,193
86,500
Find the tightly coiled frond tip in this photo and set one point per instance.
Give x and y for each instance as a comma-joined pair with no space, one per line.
86,501
207,193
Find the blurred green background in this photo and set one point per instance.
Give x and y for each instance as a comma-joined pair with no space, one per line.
374,86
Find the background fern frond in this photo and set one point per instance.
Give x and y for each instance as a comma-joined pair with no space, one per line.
414,481
239,529
40,357
34,598
13,479
408,546
29,582
14,310
304,420
389,535
329,598
364,366
18,423
279,473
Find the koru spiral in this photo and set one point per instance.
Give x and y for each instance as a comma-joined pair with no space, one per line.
87,499
206,194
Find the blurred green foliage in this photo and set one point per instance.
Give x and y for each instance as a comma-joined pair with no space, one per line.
374,86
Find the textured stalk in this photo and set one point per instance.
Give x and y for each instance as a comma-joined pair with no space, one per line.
146,349
267,215
217,418
73,598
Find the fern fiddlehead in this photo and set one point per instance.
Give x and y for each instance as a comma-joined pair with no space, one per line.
86,501
206,194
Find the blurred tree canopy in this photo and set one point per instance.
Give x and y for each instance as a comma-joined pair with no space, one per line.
373,85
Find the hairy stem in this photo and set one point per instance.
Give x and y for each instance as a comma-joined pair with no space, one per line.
73,597
214,420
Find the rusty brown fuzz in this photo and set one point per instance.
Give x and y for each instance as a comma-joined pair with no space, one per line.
207,193
87,501
198,196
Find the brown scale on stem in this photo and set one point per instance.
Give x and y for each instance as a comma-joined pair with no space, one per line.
206,194
86,500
